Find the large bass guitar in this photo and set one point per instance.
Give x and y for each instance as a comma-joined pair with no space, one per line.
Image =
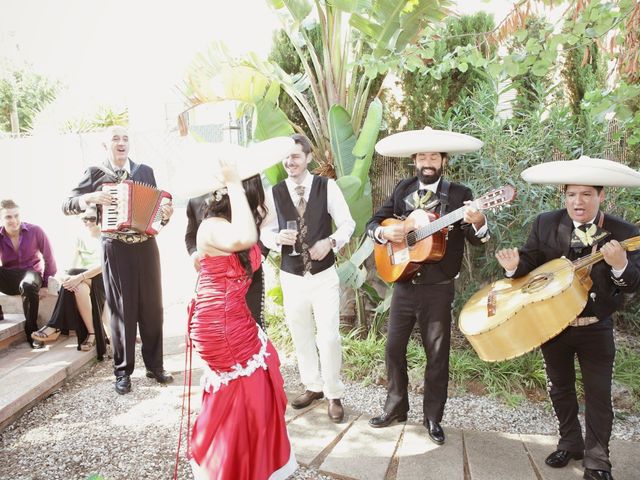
425,236
511,317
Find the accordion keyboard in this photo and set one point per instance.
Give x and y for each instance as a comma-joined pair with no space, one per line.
113,215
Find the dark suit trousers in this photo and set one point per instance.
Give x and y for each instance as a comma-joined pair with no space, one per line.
255,296
430,306
595,349
27,284
134,294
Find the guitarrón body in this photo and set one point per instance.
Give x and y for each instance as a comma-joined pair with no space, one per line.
511,317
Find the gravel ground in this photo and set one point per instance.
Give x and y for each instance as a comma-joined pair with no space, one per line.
85,428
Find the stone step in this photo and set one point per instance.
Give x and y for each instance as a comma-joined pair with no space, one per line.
28,376
13,304
12,330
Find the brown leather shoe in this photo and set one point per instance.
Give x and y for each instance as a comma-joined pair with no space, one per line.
306,398
336,412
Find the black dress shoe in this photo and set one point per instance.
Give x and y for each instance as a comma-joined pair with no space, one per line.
590,474
161,376
387,419
305,399
336,412
560,458
436,434
123,384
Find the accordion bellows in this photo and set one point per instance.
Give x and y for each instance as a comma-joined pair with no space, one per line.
136,207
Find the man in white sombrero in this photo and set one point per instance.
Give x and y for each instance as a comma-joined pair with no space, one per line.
426,298
576,231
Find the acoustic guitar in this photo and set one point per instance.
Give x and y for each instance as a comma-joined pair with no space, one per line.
511,317
425,236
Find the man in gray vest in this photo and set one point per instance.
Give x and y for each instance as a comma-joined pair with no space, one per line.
310,285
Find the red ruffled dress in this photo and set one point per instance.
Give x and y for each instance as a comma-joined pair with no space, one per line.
240,433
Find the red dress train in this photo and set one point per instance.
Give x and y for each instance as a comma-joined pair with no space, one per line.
240,433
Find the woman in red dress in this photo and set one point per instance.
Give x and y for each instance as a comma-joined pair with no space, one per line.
240,432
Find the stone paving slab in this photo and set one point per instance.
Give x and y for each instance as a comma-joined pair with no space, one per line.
312,432
420,458
625,458
363,452
539,447
497,456
36,379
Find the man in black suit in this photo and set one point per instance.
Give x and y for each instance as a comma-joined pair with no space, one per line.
574,232
131,266
427,297
196,210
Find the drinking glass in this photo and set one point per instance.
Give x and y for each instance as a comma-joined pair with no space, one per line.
293,225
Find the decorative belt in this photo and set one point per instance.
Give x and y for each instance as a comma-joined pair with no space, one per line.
127,237
583,321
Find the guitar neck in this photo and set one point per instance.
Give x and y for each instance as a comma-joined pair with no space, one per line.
584,262
439,224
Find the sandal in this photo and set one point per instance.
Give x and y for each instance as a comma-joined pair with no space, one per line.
89,343
44,337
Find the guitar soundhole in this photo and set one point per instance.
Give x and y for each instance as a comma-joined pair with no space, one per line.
411,238
537,283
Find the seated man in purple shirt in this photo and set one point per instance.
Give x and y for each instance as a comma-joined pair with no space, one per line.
26,261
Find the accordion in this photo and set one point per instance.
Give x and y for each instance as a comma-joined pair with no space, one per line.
135,206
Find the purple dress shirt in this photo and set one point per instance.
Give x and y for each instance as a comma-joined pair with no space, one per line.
34,252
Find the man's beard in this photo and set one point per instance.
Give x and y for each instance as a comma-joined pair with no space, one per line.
428,179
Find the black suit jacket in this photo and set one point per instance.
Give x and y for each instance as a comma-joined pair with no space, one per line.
94,177
449,266
550,238
195,215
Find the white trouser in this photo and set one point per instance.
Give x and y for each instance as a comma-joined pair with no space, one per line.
315,297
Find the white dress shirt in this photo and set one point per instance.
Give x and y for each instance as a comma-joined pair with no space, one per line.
336,205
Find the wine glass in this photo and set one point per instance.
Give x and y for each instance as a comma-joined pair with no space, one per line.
293,225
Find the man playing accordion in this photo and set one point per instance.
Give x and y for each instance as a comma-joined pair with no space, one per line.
131,264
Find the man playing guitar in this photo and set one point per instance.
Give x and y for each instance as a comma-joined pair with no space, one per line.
427,295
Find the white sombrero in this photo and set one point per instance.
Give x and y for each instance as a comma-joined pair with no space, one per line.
596,172
405,144
198,171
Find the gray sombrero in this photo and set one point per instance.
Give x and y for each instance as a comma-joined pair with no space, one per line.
199,167
596,172
405,144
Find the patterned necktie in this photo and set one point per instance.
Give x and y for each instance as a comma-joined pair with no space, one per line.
302,204
121,174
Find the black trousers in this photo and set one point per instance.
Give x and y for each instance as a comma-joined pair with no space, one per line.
430,306
134,294
595,349
27,284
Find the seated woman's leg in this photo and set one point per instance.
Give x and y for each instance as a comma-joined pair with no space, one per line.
83,301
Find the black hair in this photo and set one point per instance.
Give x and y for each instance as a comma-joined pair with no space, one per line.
222,208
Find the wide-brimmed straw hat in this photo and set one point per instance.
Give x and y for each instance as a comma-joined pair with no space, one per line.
405,144
596,172
198,171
